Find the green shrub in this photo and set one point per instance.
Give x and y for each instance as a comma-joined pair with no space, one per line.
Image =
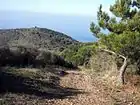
79,54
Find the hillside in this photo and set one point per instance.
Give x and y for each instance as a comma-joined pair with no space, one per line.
40,38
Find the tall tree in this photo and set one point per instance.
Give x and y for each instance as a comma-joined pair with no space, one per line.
123,39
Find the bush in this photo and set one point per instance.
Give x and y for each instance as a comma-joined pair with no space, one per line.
102,61
79,54
22,56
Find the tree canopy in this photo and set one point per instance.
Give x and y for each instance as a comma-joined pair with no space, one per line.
123,26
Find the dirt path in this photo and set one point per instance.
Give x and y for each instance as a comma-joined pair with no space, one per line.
84,90
92,93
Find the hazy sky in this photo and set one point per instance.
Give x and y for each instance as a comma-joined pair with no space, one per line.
74,7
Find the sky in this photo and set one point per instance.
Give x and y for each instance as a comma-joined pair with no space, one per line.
72,17
69,7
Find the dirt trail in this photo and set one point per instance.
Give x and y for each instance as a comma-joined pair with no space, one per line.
92,93
84,90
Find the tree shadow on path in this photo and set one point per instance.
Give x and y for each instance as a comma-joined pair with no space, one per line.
44,89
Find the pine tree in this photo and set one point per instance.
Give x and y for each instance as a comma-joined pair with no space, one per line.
123,39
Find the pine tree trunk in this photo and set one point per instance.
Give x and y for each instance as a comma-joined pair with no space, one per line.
122,71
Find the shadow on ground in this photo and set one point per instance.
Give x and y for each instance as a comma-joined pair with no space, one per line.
57,70
26,85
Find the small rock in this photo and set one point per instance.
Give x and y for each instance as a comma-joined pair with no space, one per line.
131,103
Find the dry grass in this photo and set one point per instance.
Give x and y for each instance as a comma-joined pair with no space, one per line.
128,94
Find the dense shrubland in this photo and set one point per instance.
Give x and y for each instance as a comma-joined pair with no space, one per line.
29,57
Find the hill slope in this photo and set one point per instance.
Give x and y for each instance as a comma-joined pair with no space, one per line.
40,38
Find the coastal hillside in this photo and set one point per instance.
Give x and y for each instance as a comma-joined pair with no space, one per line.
40,38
